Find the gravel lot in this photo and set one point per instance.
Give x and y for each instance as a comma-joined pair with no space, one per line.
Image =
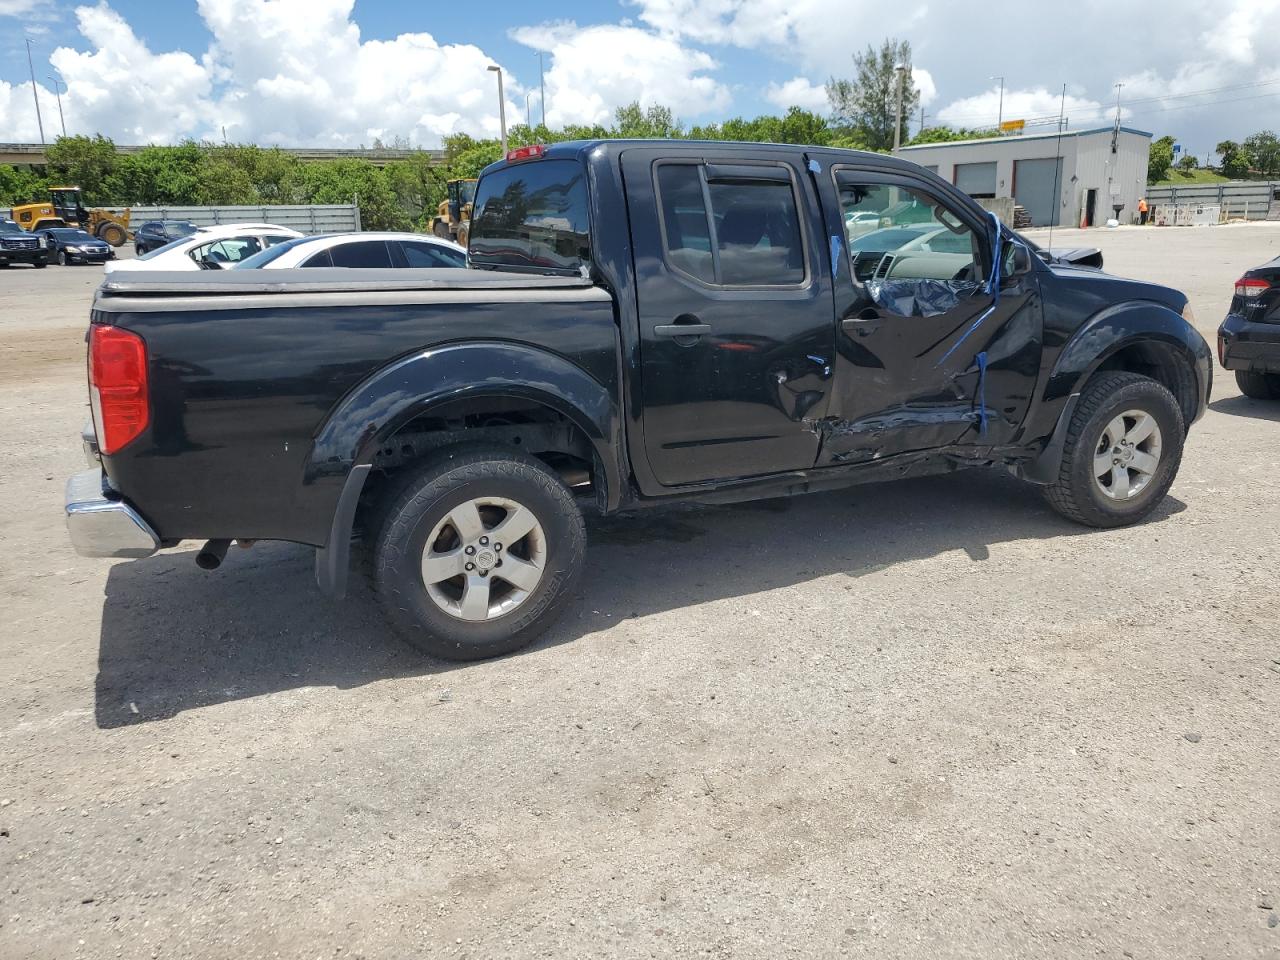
923,719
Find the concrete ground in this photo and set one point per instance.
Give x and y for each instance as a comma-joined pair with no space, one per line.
923,719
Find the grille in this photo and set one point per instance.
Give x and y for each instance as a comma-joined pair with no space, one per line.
19,244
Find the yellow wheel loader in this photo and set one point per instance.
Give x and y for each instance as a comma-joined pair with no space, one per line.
64,209
453,220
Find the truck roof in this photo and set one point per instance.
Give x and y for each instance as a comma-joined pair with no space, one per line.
577,149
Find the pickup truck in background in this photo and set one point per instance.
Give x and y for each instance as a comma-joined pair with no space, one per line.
641,323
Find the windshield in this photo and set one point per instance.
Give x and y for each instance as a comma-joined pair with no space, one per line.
8,226
178,228
889,239
532,217
69,233
171,245
262,258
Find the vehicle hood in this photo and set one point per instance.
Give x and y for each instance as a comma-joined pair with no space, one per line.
1115,289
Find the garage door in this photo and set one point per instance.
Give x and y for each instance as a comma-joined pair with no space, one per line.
977,179
1035,186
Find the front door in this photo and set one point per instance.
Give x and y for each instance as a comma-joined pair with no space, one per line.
735,311
926,356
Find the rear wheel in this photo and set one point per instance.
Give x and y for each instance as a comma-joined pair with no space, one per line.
441,230
1259,386
479,553
40,264
1123,449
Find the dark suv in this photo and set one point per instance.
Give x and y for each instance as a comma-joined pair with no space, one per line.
156,233
19,246
1249,338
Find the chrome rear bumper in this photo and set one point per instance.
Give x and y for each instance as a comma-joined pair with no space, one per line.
101,526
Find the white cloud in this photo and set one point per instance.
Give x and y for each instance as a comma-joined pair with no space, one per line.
798,92
26,8
596,69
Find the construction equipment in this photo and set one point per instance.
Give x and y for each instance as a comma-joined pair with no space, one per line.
453,220
64,209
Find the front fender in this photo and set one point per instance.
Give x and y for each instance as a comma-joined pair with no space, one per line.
398,393
1120,326
1101,338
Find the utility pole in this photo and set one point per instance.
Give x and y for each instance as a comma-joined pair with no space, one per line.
922,118
57,92
502,108
542,83
897,122
34,94
1000,112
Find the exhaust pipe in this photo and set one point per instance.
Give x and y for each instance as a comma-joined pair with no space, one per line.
212,554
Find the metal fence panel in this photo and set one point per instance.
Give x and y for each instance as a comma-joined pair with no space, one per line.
315,218
1239,199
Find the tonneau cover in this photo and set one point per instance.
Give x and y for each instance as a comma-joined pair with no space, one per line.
325,280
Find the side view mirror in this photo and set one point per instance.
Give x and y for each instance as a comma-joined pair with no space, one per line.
1016,261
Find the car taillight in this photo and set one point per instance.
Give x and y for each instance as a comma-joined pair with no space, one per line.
1250,287
531,152
117,386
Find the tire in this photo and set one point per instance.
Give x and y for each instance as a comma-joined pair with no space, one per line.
40,264
62,259
1080,495
1259,386
423,509
113,234
441,230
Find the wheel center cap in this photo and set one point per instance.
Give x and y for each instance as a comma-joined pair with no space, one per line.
1126,455
485,559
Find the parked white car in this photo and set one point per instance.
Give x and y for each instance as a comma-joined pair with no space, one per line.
210,248
385,250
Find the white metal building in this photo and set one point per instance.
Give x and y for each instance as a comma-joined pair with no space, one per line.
1091,171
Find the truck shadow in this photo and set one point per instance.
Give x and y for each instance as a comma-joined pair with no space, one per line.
1246,407
175,638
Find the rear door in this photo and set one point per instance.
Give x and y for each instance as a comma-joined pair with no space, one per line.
735,310
926,355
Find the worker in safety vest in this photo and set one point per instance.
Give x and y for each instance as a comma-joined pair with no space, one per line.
1142,210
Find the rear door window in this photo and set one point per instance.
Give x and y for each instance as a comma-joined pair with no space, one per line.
752,236
321,259
364,253
430,255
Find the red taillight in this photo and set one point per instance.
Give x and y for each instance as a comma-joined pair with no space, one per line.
117,386
531,152
1251,287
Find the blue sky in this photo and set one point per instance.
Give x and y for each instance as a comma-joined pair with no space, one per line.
342,72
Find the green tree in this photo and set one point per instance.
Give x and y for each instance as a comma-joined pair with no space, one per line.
1263,149
1188,162
84,162
358,181
950,134
21,186
866,106
1235,159
1160,159
653,122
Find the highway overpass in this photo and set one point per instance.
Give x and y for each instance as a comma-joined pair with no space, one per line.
33,154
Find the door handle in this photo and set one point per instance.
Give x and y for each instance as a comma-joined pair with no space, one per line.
862,322
681,329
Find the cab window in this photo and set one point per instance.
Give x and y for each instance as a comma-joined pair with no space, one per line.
228,250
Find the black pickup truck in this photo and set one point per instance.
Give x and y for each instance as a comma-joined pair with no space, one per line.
641,322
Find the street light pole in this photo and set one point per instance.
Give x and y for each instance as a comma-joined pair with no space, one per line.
528,114
1000,112
57,92
542,83
897,123
502,108
34,94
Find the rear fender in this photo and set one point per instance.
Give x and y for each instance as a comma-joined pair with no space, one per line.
348,440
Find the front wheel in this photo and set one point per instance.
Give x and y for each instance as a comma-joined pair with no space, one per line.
1259,386
479,553
1123,449
62,259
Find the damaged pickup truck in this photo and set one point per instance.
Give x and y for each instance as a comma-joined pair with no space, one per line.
642,322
